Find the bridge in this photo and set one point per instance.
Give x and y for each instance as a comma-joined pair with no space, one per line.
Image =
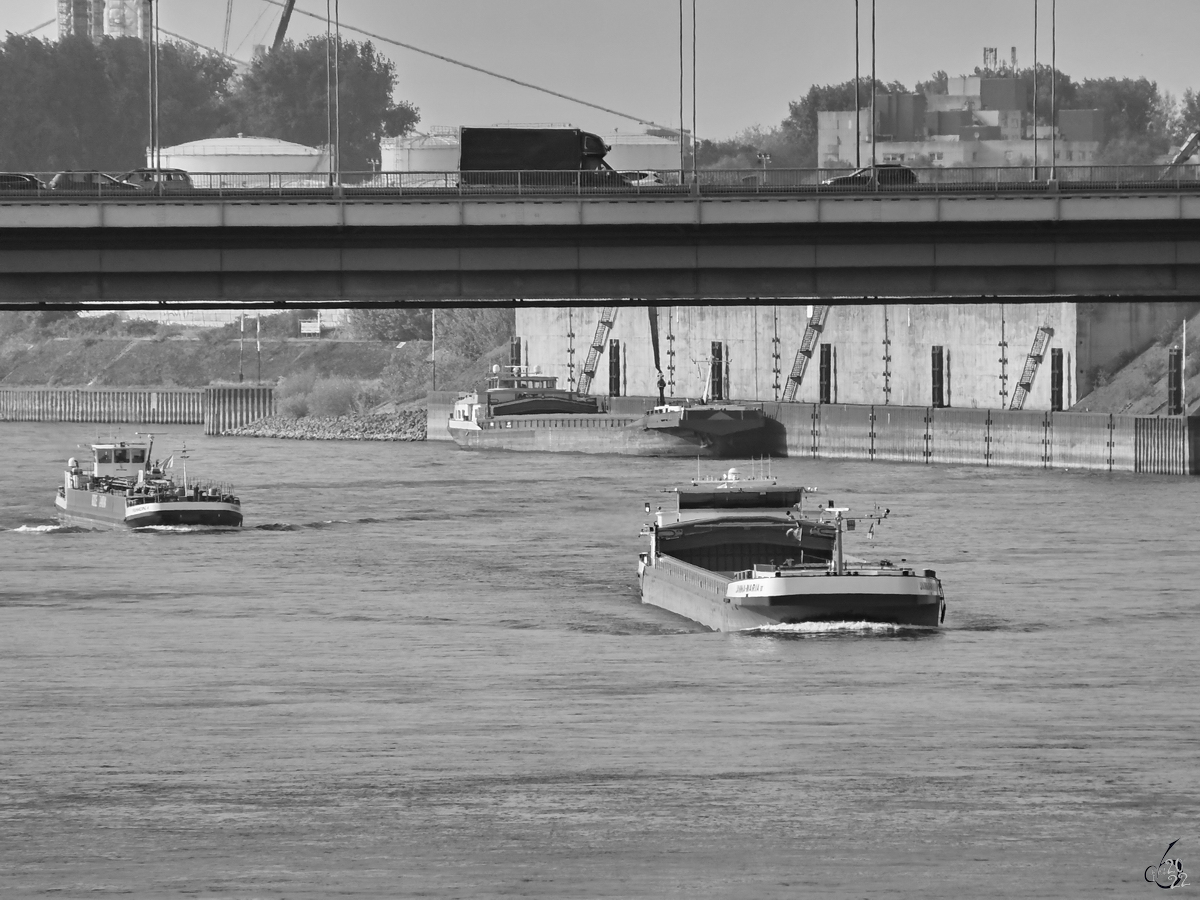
427,243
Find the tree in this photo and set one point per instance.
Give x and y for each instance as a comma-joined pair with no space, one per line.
1189,113
391,324
82,105
284,95
938,83
470,332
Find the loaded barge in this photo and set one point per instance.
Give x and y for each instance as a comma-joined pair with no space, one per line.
525,410
124,489
740,554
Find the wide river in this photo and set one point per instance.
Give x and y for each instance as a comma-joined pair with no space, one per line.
421,672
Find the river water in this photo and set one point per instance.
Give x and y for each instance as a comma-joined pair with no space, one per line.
424,672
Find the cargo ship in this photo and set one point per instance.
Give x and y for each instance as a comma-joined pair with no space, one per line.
736,554
124,489
521,409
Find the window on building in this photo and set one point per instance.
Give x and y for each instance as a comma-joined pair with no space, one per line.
939,378
716,388
826,373
614,368
1056,379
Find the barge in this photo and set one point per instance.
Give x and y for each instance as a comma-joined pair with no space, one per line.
524,410
740,554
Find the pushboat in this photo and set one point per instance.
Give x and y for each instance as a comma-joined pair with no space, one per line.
125,489
735,554
520,409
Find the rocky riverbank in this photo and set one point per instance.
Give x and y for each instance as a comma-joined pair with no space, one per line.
405,425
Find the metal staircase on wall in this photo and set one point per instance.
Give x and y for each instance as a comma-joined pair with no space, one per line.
816,322
1025,382
607,315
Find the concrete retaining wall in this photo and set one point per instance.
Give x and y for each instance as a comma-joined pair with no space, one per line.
227,408
1096,441
879,353
219,409
439,405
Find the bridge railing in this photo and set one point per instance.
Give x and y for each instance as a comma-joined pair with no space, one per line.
660,183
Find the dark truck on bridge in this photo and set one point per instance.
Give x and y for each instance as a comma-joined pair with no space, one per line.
535,157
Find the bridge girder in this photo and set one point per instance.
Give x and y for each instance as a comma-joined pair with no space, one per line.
235,253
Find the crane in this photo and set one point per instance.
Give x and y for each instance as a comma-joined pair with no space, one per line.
281,32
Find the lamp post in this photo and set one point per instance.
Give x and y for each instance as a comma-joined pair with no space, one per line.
682,132
694,91
857,99
1035,96
337,91
873,84
1053,81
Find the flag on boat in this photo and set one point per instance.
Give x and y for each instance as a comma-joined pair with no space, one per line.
170,463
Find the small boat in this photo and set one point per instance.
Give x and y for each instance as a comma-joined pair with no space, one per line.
525,410
736,554
125,489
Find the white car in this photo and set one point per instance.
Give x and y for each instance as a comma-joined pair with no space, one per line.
641,178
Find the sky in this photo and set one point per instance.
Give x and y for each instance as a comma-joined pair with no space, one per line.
752,56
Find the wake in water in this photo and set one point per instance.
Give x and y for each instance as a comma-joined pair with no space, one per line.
838,628
50,529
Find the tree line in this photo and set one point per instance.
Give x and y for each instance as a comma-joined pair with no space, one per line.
1141,122
75,104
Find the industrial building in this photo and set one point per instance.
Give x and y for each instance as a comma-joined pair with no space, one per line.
1030,355
979,121
95,19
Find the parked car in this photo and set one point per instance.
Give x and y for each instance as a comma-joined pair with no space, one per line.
89,183
886,175
640,178
163,181
19,181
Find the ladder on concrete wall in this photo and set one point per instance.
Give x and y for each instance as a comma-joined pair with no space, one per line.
1025,382
816,322
607,315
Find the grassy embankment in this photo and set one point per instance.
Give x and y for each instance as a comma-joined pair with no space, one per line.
334,386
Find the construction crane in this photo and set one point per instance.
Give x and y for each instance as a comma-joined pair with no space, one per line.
281,31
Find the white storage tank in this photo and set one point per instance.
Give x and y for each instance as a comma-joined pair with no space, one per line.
246,161
436,150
